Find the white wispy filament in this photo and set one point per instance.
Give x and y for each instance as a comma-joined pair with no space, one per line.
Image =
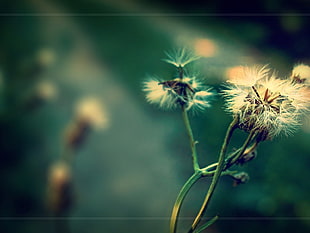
180,58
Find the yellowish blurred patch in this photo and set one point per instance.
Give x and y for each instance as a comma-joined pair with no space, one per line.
46,90
205,47
233,72
92,110
59,196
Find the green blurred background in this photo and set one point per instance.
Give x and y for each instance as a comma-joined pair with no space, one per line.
126,176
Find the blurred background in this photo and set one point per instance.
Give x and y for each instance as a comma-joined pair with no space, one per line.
80,143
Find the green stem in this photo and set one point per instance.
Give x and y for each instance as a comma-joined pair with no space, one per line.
217,173
229,161
191,138
176,208
181,72
244,147
187,186
206,225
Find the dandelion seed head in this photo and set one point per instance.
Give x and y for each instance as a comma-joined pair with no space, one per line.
301,74
170,94
185,91
266,103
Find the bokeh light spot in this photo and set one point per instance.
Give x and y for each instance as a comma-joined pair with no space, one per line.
205,47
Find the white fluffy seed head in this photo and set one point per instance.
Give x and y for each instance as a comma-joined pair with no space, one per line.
170,94
266,104
301,74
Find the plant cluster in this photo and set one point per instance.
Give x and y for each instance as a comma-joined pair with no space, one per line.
261,103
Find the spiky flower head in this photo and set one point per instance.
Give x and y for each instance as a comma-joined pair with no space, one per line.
170,94
265,103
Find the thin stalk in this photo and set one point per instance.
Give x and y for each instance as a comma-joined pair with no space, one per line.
244,147
182,194
176,208
191,138
229,161
181,72
217,173
206,225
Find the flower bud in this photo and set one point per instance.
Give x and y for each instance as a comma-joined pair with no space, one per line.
240,178
247,156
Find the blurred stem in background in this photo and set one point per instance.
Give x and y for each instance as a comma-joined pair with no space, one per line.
61,194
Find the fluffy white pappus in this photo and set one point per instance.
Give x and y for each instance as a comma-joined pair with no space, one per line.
200,100
187,92
302,72
156,93
180,57
248,76
269,105
299,95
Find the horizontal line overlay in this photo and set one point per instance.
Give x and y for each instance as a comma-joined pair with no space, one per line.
150,14
138,218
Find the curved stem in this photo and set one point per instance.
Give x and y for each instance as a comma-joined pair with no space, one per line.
217,173
191,138
176,208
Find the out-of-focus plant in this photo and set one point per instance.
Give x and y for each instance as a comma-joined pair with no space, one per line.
261,103
89,114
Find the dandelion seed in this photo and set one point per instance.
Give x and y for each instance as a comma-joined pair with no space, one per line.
180,58
265,103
